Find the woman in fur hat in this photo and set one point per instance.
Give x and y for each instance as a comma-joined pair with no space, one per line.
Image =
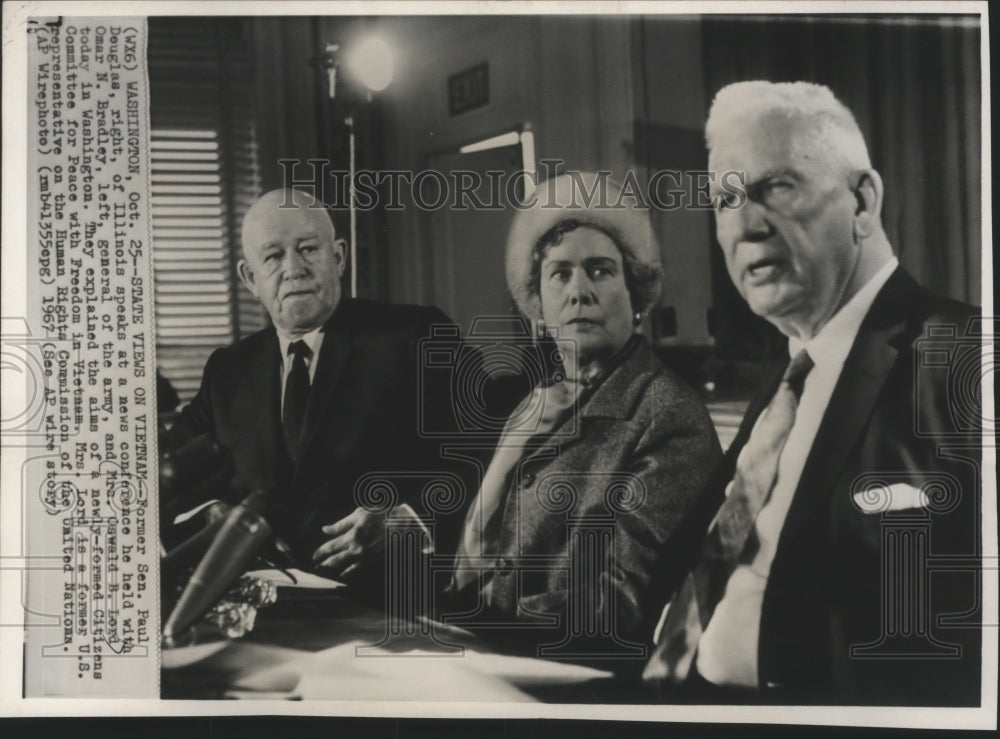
592,498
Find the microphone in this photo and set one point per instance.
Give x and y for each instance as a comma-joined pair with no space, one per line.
190,551
243,535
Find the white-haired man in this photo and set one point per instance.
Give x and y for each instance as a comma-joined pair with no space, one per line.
814,580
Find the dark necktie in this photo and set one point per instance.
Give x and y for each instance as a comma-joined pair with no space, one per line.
293,413
730,536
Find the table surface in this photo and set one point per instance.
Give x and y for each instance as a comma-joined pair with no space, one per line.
317,644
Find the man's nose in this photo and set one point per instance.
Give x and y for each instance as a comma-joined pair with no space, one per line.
295,265
749,222
580,289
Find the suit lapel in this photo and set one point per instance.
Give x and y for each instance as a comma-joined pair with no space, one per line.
264,376
333,356
865,370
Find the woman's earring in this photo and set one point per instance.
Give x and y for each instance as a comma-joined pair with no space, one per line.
637,319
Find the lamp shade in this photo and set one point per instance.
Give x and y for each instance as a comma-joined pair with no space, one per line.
371,62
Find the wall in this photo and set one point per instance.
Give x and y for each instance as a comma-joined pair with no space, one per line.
289,107
567,79
670,109
585,86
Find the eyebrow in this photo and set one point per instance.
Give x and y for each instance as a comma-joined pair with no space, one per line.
313,236
588,262
775,173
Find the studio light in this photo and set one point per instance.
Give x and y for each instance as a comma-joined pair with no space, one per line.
370,60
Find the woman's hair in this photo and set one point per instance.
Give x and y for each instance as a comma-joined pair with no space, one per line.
641,280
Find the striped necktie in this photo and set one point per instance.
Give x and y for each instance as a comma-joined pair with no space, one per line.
730,535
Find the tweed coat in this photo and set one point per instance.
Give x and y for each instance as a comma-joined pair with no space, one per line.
592,516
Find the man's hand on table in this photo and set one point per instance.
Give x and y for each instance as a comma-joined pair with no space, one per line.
356,538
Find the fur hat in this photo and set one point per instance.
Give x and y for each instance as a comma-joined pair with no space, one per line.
583,197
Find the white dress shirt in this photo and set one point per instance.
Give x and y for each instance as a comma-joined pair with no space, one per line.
727,650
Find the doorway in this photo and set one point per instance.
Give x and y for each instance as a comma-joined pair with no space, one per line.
466,241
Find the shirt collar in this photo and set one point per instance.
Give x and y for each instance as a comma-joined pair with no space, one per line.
830,347
594,380
313,340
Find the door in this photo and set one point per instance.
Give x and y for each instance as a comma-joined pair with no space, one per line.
467,242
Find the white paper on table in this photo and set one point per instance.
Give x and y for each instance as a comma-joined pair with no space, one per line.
528,672
302,579
340,674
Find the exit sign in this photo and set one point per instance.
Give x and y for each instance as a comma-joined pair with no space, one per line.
469,89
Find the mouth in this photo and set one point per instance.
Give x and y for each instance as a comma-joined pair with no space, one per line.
297,294
582,321
765,269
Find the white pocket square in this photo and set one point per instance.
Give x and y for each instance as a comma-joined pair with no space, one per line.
896,497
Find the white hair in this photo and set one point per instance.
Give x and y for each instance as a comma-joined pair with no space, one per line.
824,126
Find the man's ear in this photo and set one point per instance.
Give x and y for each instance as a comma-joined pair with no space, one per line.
868,195
339,255
246,276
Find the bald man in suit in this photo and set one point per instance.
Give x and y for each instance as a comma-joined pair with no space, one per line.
325,396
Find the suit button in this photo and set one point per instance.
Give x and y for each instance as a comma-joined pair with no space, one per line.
527,479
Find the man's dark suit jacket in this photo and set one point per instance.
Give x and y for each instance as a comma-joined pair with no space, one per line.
839,577
362,415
